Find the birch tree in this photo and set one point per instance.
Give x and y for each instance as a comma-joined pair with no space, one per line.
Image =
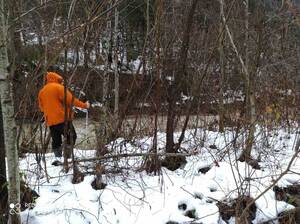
3,187
9,126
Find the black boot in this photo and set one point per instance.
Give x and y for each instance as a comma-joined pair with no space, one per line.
57,161
58,157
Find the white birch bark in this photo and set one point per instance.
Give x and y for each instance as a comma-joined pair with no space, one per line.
9,126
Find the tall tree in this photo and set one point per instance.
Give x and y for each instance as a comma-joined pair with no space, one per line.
9,126
151,164
249,82
180,80
3,186
222,71
250,93
116,59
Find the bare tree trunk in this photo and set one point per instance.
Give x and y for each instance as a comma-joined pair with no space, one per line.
10,134
102,130
9,126
116,106
152,162
180,79
102,133
145,61
14,41
3,187
86,50
222,70
66,147
250,95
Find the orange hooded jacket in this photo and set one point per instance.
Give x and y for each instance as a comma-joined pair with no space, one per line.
51,100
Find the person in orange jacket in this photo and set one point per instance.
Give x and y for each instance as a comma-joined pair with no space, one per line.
51,103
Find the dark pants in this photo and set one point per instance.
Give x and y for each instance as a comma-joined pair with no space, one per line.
57,131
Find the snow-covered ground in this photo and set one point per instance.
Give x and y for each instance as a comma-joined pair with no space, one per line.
133,196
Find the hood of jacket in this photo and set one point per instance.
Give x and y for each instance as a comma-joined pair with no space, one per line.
53,77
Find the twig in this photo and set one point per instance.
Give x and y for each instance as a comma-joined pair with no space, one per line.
61,196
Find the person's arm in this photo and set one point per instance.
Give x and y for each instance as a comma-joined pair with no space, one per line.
75,102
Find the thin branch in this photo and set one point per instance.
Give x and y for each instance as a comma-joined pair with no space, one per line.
233,44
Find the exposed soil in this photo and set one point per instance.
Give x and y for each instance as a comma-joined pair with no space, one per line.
236,207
